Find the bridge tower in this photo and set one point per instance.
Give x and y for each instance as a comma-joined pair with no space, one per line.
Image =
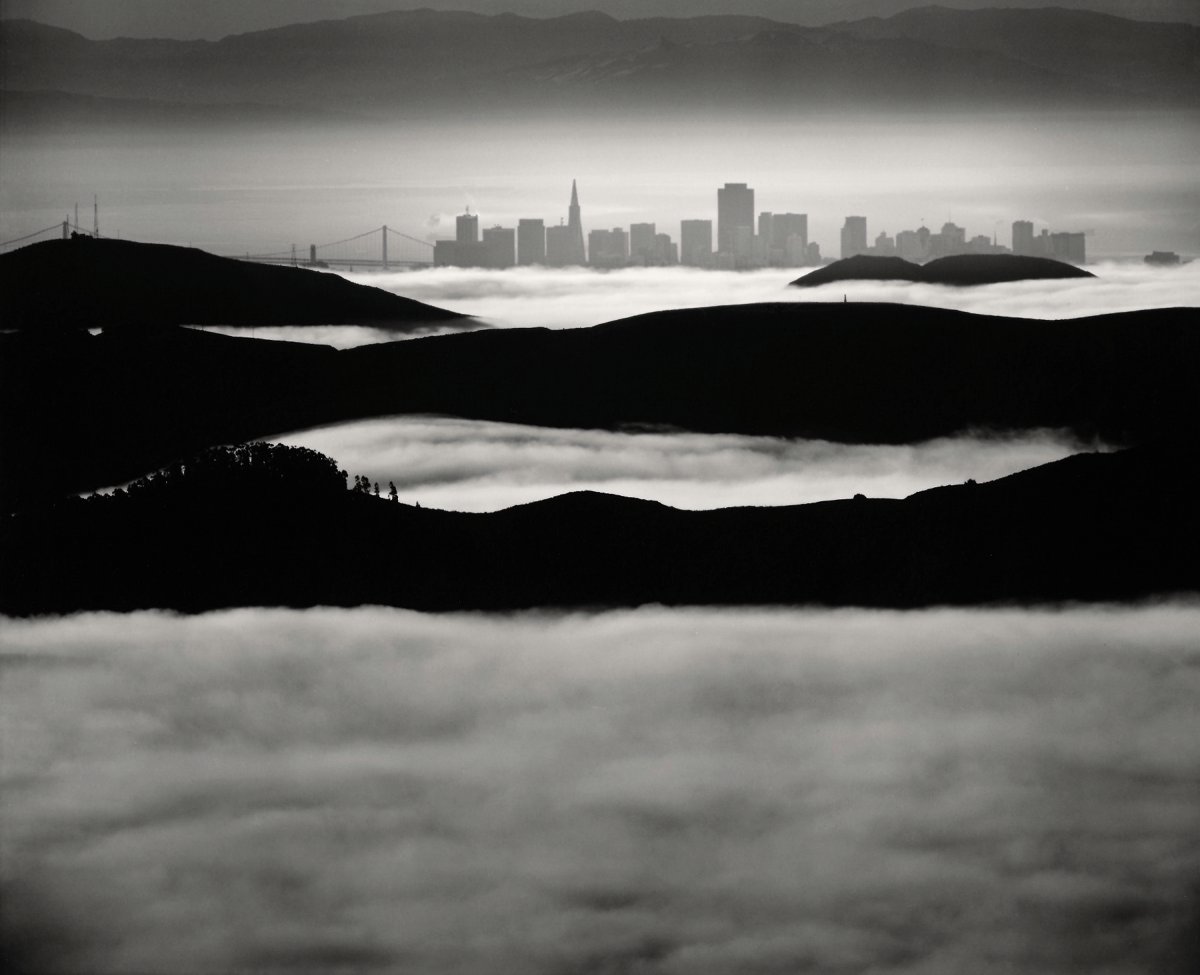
385,264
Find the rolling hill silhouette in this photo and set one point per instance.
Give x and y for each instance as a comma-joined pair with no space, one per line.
1091,527
961,269
84,282
83,411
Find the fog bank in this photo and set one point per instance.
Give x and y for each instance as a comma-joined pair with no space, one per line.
469,465
651,791
575,297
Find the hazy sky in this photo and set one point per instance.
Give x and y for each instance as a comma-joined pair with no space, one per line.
1128,177
652,792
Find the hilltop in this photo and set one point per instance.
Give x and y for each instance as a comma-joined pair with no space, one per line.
1091,527
84,282
83,411
962,270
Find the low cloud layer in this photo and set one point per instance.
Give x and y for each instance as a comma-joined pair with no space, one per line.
575,297
569,298
647,792
466,465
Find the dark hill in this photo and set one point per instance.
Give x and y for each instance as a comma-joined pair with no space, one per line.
83,411
961,270
83,282
968,269
1093,527
862,267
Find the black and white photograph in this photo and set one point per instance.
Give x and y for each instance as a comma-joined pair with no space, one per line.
600,487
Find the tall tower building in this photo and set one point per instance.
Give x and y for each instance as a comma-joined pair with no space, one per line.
854,236
499,247
641,243
575,225
695,242
735,209
466,228
1022,237
531,242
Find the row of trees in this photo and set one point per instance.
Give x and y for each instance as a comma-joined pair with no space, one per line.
254,468
362,485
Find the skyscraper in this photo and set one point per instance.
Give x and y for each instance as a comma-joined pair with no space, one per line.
1022,237
641,243
735,209
695,243
466,228
854,236
531,242
608,248
578,254
787,225
1070,247
559,249
499,247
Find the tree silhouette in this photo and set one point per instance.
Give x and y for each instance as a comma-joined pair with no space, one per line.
249,468
392,494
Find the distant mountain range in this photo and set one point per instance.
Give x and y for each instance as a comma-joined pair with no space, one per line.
214,19
406,64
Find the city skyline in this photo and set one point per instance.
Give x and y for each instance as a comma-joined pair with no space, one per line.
739,239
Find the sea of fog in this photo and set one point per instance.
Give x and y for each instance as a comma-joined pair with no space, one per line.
650,791
577,297
471,465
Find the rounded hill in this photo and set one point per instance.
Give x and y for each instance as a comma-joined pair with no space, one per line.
961,270
84,282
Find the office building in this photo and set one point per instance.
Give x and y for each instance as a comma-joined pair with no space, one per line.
531,242
666,251
854,236
1022,237
1068,247
696,243
559,249
499,247
735,221
466,227
641,243
911,246
952,240
608,248
785,227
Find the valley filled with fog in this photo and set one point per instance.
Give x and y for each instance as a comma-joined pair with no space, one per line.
471,465
660,791
580,297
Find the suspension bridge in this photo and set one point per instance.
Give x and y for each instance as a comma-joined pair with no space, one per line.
380,248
